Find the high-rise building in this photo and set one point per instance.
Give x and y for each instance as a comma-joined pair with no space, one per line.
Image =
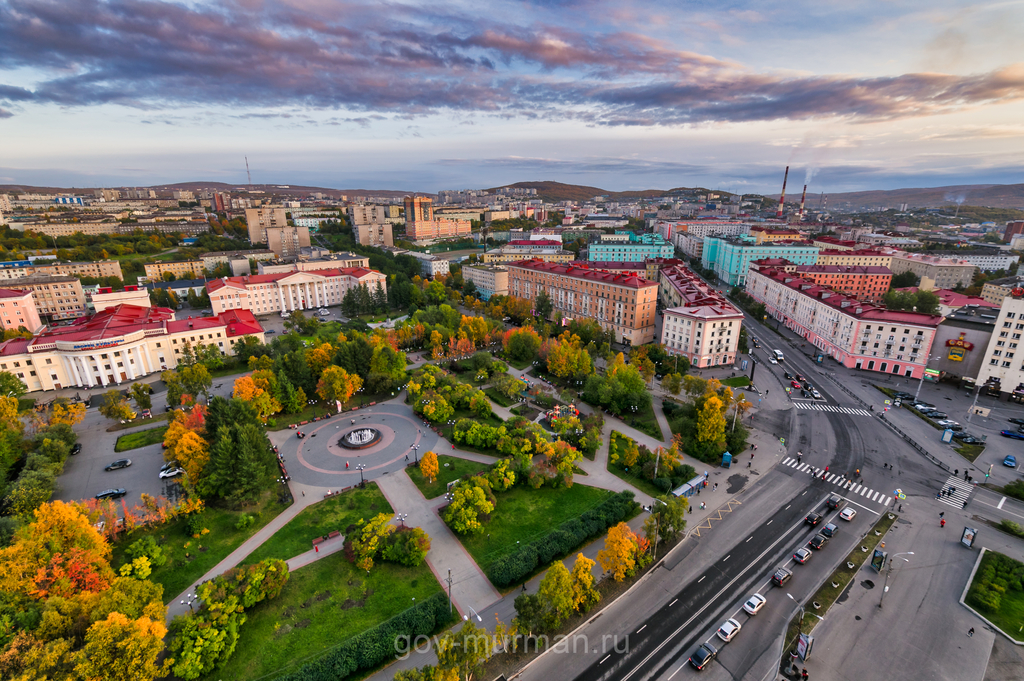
1013,228
286,242
261,219
420,224
418,209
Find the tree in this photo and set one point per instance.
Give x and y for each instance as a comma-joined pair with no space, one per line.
62,411
11,385
139,392
370,539
667,519
337,385
927,302
196,379
672,383
191,453
566,357
319,358
428,466
618,554
436,409
468,503
584,594
507,385
464,651
904,280
123,649
556,594
710,421
542,305
116,407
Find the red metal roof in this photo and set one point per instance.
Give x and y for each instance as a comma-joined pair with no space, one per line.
584,272
251,279
14,293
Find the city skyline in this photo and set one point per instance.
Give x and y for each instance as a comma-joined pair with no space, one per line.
424,96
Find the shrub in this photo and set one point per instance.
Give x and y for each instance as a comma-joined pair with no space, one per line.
148,548
195,524
564,539
1015,489
245,521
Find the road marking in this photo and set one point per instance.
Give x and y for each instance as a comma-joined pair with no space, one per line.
673,602
749,538
804,492
768,523
676,671
1000,506
787,508
605,658
727,558
698,581
869,510
641,629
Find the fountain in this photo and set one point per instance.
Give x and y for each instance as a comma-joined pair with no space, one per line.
360,438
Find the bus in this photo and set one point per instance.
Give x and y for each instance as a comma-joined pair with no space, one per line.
778,355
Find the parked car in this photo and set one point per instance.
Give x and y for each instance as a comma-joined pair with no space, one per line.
169,465
922,406
729,629
1012,434
952,425
967,439
830,530
269,331
111,494
818,541
802,555
781,576
147,414
76,448
754,604
171,473
1019,422
900,395
849,513
703,656
937,415
120,463
813,519
1010,461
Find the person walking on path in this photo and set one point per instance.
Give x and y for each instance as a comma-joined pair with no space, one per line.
970,632
942,523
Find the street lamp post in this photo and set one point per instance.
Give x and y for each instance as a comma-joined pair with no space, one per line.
190,599
923,372
401,518
799,627
970,412
888,572
360,467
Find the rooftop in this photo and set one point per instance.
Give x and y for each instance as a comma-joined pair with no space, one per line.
835,241
250,279
698,298
587,272
953,299
843,269
14,293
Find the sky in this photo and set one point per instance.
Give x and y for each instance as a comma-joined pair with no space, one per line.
424,96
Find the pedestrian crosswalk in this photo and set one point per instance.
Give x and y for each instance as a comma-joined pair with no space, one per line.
811,406
960,493
852,488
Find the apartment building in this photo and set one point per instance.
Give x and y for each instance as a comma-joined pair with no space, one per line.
635,248
509,255
654,266
864,257
1001,368
1013,228
431,265
181,269
489,280
286,291
104,298
363,214
934,272
421,225
984,260
374,234
863,283
830,243
621,303
214,258
119,345
55,296
636,268
730,257
259,220
773,235
17,269
18,310
700,323
287,242
996,290
854,333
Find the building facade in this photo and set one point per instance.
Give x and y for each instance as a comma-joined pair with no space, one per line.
864,257
18,310
421,225
856,334
984,260
934,272
181,269
730,257
635,248
55,297
773,235
509,255
1013,228
119,345
431,265
830,243
489,280
996,290
702,326
1002,364
287,291
105,298
374,234
15,269
287,242
259,220
214,258
621,303
863,283
334,261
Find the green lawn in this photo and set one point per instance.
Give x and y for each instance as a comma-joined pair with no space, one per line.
519,365
142,438
619,471
524,515
498,398
992,579
646,422
449,468
322,605
203,553
737,382
969,452
321,518
492,419
166,416
26,403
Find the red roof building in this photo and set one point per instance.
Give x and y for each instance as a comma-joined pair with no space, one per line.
286,291
861,282
699,324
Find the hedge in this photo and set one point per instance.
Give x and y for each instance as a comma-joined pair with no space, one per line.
375,646
566,538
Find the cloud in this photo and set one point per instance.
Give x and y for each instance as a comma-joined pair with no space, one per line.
415,61
4,113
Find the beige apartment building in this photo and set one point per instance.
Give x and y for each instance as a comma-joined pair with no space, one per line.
701,325
489,280
18,309
865,257
996,290
57,297
19,269
935,272
181,269
259,220
374,234
214,258
287,291
506,254
287,242
621,303
131,295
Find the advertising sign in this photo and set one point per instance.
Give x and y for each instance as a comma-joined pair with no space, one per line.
931,374
947,436
878,560
967,538
804,645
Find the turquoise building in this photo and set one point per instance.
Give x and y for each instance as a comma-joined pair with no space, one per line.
630,247
730,257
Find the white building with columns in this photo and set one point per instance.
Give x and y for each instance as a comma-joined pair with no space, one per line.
119,345
287,291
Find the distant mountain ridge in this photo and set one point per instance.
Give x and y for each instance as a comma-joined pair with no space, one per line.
990,195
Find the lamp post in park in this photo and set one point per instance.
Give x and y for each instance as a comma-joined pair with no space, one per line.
888,572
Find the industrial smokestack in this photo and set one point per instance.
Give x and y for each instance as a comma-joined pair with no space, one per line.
803,197
782,199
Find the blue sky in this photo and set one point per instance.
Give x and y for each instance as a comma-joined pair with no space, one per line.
427,96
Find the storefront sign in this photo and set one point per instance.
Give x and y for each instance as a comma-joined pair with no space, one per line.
958,348
98,345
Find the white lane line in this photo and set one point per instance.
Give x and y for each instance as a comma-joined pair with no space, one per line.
787,507
1000,506
727,558
605,658
677,671
869,510
748,539
701,579
641,629
768,523
673,602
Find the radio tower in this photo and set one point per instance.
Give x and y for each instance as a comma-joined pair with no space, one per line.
782,199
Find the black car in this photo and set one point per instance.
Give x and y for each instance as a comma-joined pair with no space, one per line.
76,448
703,656
902,396
830,530
834,501
1019,422
789,376
781,576
111,494
120,463
813,519
800,378
967,439
818,541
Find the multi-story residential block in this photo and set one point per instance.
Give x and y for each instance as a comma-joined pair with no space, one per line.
106,297
772,235
634,249
986,261
119,345
1013,228
214,258
507,255
830,243
864,257
934,272
259,220
55,229
16,269
994,291
489,280
637,268
701,324
421,225
286,291
18,310
691,245
363,214
730,257
854,333
655,265
431,265
374,234
863,283
55,296
1002,366
181,269
621,303
287,242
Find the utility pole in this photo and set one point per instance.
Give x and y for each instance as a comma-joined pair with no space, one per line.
449,580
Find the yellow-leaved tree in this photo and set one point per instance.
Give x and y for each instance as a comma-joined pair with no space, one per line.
428,466
710,422
584,595
618,554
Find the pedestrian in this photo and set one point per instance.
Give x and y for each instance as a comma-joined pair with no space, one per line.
970,632
755,448
942,515
698,490
901,508
406,457
346,464
751,455
956,472
942,523
965,475
803,674
303,492
715,488
749,464
524,587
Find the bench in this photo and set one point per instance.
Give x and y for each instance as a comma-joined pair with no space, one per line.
317,541
333,534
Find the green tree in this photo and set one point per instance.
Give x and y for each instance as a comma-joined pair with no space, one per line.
468,503
672,383
542,305
667,518
927,302
116,407
11,385
464,651
522,344
139,392
196,380
555,593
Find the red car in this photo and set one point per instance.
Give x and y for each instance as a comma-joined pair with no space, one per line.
795,384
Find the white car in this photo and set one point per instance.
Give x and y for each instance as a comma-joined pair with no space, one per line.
848,513
815,394
171,473
728,631
772,360
754,604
